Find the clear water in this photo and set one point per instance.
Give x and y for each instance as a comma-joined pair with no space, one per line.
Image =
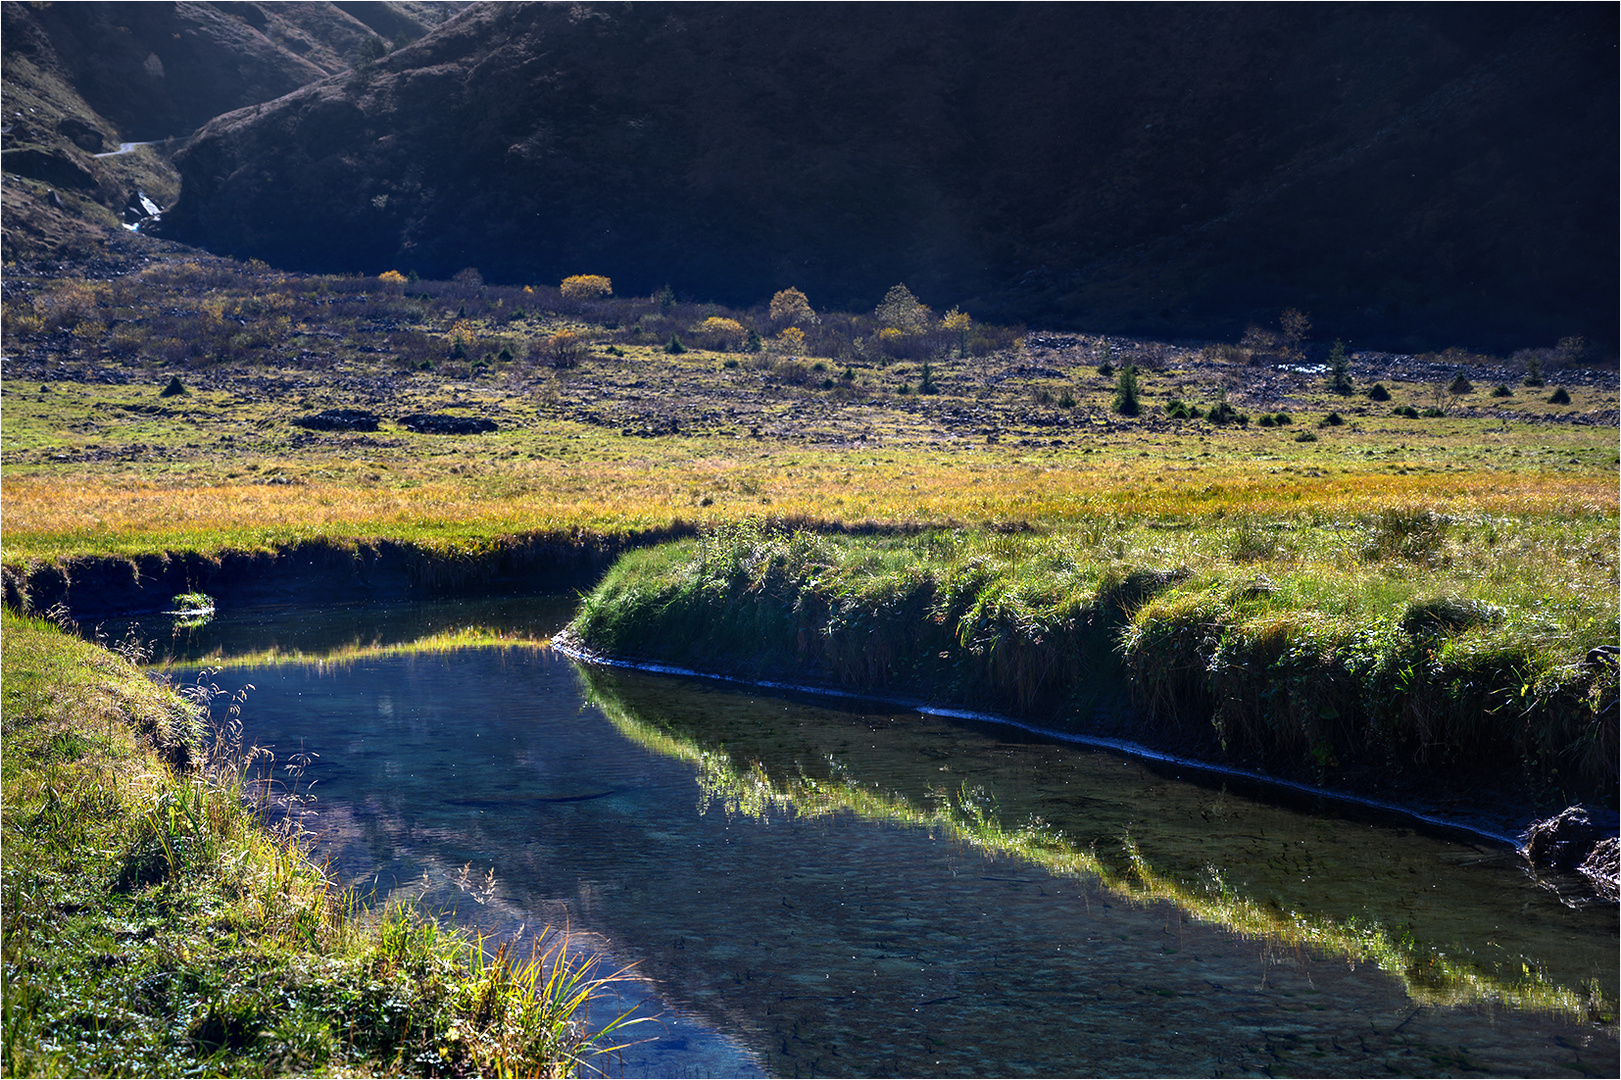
810,888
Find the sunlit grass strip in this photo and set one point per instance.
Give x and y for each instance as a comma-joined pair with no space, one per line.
354,652
153,925
56,518
1426,976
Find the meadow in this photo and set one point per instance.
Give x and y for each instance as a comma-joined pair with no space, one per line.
627,435
1290,499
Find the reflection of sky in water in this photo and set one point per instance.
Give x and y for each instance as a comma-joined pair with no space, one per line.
840,945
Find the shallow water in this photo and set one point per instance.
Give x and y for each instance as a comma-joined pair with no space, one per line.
816,888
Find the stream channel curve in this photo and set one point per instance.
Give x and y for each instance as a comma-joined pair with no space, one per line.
831,885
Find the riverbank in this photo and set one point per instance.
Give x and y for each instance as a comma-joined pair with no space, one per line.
154,925
1398,657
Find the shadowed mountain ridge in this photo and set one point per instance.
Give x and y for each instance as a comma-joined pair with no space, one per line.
1408,173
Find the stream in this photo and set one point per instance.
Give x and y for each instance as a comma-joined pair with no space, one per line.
815,886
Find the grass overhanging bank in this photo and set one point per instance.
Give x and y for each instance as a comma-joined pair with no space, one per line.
1380,653
153,923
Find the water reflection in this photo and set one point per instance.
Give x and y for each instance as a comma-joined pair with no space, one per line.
818,889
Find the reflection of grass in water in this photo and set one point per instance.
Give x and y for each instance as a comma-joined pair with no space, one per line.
471,637
967,815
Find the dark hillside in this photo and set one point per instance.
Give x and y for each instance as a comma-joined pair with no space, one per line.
81,78
1430,173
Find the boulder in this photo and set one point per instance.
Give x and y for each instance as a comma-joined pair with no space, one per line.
1576,840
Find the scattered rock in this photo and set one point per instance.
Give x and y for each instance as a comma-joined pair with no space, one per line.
444,424
1602,868
339,420
1576,841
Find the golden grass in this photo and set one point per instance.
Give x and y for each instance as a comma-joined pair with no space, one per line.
47,516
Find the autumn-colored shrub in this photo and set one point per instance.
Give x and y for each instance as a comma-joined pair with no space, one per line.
563,349
792,307
719,332
791,340
585,287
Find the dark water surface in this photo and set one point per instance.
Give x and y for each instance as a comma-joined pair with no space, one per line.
815,888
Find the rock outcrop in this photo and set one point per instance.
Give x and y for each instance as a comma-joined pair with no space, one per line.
1441,172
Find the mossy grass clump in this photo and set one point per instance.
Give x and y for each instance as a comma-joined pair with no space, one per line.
1449,614
154,925
193,601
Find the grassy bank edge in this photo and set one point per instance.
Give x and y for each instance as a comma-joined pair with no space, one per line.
1219,663
153,923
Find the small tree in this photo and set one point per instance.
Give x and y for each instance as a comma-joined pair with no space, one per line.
904,312
959,323
582,287
1533,368
1258,343
1295,325
791,340
462,338
790,307
1127,394
563,349
1339,369
925,382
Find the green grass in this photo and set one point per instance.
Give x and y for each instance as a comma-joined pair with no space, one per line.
634,438
1326,648
154,926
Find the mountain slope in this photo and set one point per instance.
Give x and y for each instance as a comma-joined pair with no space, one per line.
1443,171
81,78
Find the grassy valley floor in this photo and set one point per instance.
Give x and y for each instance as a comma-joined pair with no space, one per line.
1403,588
1412,573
